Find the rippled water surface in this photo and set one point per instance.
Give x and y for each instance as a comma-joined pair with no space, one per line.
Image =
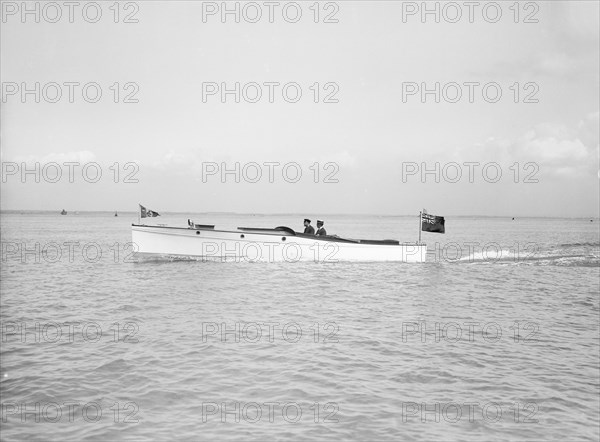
504,316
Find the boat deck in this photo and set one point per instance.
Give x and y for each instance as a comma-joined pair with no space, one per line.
284,230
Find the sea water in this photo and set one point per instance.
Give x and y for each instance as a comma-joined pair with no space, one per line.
496,337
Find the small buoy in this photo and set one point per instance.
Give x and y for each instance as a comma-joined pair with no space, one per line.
513,219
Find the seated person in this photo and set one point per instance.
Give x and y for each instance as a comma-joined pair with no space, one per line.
308,229
320,229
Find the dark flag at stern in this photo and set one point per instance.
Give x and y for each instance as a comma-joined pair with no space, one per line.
432,223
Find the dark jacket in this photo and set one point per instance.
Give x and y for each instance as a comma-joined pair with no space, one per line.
309,230
321,231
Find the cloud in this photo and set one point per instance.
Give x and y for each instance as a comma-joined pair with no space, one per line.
172,159
82,156
194,163
342,158
574,24
588,130
564,44
558,149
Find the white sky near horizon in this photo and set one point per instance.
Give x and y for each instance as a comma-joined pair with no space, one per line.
171,134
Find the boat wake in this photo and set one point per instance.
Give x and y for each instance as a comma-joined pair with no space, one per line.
571,255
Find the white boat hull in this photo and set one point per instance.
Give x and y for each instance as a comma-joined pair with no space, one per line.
255,246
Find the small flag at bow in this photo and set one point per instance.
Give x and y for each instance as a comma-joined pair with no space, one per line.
432,223
145,213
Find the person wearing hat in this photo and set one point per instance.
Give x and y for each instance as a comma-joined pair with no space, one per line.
308,229
320,229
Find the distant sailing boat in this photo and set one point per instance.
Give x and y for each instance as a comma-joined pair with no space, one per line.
64,212
116,214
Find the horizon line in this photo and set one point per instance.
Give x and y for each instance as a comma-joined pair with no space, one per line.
135,212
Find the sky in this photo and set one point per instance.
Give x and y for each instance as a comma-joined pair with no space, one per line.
361,138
